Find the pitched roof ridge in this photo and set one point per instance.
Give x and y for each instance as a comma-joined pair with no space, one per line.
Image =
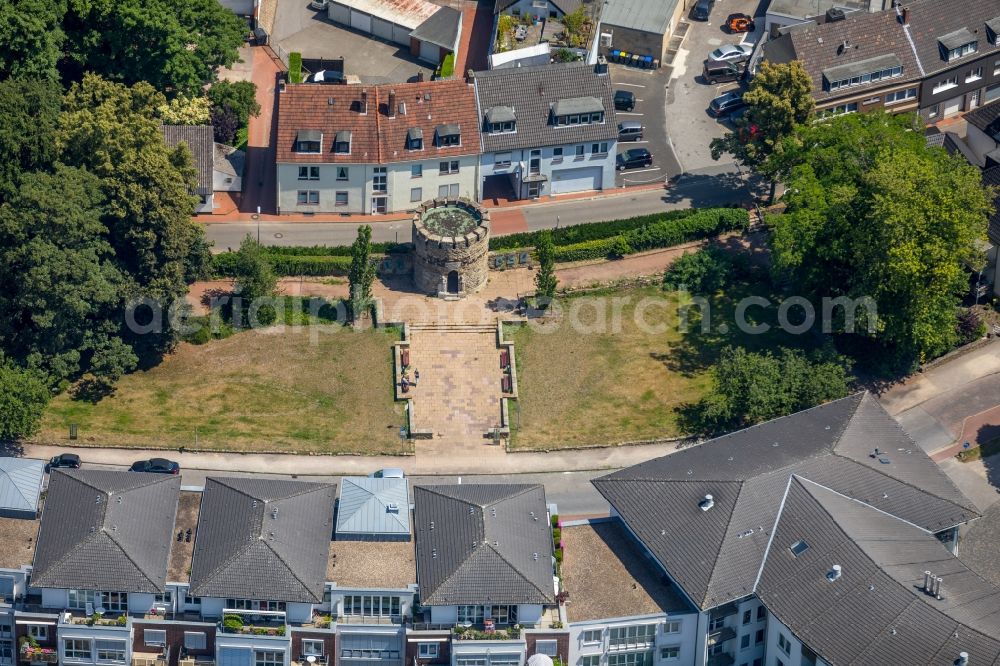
718,551
310,486
855,500
5,473
774,529
72,551
516,570
225,564
131,559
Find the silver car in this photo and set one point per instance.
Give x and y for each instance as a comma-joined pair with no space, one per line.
734,53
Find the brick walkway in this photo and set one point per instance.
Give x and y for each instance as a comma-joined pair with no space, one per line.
477,29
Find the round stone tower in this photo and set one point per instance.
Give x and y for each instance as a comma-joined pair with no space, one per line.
451,239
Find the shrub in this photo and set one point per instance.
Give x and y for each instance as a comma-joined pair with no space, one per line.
556,535
702,272
232,622
594,249
448,66
970,327
555,520
295,67
225,124
224,265
620,247
559,555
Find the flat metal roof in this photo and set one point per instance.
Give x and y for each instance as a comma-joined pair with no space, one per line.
373,506
20,483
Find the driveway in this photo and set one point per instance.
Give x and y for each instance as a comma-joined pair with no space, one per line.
649,88
690,127
311,33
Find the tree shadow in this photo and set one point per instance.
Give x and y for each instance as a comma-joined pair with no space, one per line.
10,448
92,390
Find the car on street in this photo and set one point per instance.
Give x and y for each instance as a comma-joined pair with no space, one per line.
725,104
156,466
630,130
63,461
734,53
633,158
326,76
702,10
624,100
739,23
388,473
721,72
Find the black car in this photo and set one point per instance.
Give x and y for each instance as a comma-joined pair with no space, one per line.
156,466
64,460
702,10
633,158
624,100
725,104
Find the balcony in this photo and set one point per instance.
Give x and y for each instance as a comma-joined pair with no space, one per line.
38,655
151,658
369,619
253,623
720,660
721,636
317,660
196,661
486,633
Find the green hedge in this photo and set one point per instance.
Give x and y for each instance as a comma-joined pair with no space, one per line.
448,66
586,232
330,250
294,67
287,265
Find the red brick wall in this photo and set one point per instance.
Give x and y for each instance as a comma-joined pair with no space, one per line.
175,639
561,638
413,650
329,643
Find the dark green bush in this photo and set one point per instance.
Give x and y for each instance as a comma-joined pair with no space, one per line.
586,232
295,67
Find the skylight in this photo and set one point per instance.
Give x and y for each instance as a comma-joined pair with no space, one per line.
798,547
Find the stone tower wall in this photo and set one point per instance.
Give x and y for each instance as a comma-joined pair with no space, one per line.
434,257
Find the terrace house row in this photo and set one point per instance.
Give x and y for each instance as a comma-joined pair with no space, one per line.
387,148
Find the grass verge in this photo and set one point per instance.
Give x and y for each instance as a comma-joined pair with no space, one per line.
986,450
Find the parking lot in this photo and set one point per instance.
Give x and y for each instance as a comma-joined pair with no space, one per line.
649,88
299,28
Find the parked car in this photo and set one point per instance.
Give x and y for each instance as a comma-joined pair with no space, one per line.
319,5
721,72
65,461
630,130
725,104
702,10
156,466
388,473
326,76
633,158
624,100
734,53
740,23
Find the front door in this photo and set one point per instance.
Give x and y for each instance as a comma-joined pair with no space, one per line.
453,282
534,189
379,205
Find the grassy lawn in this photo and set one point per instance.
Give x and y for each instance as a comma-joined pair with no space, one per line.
577,388
254,391
986,450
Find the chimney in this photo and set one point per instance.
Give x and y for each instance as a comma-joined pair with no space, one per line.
364,101
906,16
963,659
470,76
707,503
835,571
937,587
844,45
392,103
928,577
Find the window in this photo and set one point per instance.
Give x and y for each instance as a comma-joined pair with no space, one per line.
77,648
379,182
839,110
744,641
557,154
962,51
416,171
634,636
596,117
470,614
501,161
342,147
670,653
798,547
579,152
110,651
416,194
870,77
154,636
307,146
501,614
591,660
78,599
501,128
312,647
340,199
758,638
166,598
38,631
114,602
784,644
449,139
343,173
548,647
470,661
747,614
631,659
427,650
900,96
268,658
717,623
761,612
445,191
672,627
194,640
449,167
308,173
592,636
599,148
302,197
191,601
370,604
974,75
415,143
946,84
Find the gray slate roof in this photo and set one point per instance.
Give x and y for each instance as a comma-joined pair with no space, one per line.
986,119
20,484
641,15
954,21
479,543
714,555
875,613
441,28
263,539
531,92
364,506
565,6
991,176
201,143
105,530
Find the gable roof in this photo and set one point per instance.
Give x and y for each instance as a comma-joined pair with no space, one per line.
480,543
933,24
365,506
714,555
531,92
876,611
201,143
263,539
20,484
441,28
105,530
986,119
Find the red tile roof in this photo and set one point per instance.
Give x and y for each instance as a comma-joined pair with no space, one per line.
376,137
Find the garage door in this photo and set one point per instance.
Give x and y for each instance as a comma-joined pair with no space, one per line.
430,52
576,180
381,28
340,13
361,21
953,106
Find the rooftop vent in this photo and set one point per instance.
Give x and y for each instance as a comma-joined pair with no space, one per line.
432,524
274,513
534,556
706,503
798,547
329,101
834,573
834,14
963,659
392,507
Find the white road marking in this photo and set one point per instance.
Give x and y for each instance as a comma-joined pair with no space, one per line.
628,113
632,171
631,85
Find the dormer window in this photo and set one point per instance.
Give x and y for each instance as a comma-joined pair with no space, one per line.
993,31
578,111
863,72
342,144
414,139
309,141
500,120
958,44
448,135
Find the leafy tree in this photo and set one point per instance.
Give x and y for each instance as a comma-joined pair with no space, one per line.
750,387
362,273
27,128
175,45
778,101
703,272
239,96
872,212
184,110
546,280
255,279
31,38
224,124
23,397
